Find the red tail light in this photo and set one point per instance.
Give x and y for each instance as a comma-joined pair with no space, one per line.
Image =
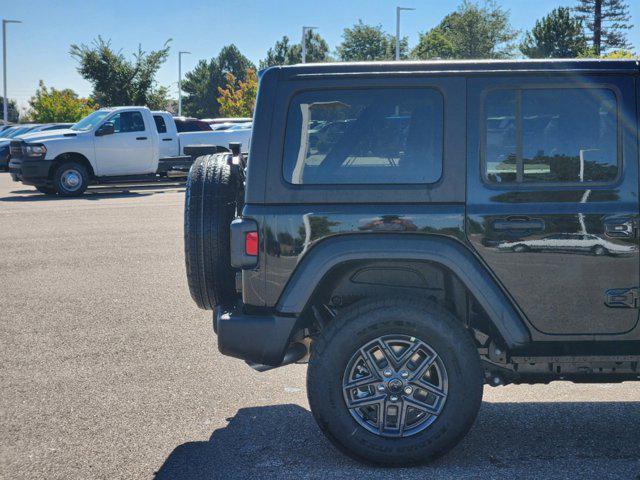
251,244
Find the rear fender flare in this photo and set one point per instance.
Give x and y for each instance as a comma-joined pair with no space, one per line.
453,255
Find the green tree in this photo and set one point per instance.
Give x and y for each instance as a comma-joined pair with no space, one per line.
201,84
434,44
279,54
558,35
12,110
606,22
474,30
285,53
617,54
238,98
367,42
119,81
52,105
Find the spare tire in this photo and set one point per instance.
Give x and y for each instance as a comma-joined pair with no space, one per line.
211,203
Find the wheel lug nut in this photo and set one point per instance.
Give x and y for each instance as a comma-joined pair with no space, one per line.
408,390
394,398
404,374
387,372
381,388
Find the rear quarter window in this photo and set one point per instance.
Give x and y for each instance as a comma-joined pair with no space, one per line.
365,136
161,126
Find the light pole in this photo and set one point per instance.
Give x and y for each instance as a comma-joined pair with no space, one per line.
304,42
398,10
5,101
180,81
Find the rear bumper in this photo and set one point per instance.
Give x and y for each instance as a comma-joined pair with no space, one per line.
260,339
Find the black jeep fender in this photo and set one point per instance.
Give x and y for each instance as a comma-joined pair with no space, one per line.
451,254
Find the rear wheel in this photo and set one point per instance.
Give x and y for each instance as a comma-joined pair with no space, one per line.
395,382
211,203
71,179
599,250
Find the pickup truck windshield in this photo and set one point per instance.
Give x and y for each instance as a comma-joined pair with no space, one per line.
90,121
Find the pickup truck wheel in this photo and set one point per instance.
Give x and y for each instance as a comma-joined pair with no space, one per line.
46,190
71,179
394,382
210,206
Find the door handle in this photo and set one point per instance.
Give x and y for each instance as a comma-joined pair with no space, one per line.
167,139
141,138
518,224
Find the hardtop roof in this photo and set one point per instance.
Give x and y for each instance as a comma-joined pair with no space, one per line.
462,66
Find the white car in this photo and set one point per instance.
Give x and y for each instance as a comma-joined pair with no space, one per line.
563,242
109,145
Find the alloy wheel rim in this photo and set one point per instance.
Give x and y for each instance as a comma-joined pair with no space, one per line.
395,386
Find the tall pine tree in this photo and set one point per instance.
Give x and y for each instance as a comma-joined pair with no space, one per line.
607,22
558,35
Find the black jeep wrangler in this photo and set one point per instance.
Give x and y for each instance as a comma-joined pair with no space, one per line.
417,230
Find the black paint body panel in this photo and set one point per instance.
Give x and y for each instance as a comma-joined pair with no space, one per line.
556,296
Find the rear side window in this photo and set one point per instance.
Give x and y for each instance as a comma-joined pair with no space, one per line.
551,135
160,125
368,136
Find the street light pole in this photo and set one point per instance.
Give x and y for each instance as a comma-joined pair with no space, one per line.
304,42
5,101
180,81
398,10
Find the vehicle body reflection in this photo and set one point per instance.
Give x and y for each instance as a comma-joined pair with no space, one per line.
569,242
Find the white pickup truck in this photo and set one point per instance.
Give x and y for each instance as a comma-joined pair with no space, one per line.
111,145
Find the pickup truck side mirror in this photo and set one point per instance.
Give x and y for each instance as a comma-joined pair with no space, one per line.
105,129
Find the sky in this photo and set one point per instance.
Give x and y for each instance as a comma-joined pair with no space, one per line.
38,49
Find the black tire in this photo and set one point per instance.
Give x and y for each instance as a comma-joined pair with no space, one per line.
355,327
210,206
519,248
67,171
599,250
46,190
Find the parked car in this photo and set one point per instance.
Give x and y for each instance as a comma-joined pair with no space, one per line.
121,144
5,139
226,120
172,141
16,130
230,126
376,262
569,242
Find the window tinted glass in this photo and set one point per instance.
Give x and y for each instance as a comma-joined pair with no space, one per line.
500,135
125,122
373,136
160,125
559,135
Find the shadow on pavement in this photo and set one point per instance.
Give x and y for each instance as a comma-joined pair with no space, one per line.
98,193
284,441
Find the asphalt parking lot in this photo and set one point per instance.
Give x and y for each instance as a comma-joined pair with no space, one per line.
108,370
